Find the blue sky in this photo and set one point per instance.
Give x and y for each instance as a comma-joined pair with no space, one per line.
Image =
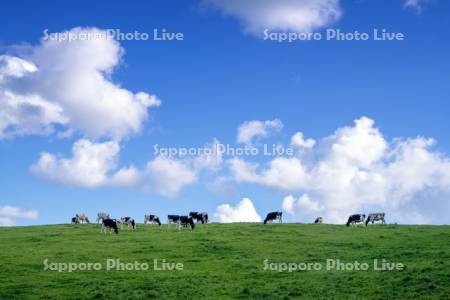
223,76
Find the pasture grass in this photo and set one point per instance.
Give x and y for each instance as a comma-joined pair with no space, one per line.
222,261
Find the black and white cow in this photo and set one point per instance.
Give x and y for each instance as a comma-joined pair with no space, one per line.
152,219
273,216
319,220
172,219
129,221
185,221
375,217
356,218
199,216
109,225
102,216
75,220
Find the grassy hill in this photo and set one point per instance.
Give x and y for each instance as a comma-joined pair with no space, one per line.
227,261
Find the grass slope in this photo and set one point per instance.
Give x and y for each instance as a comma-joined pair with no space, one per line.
226,261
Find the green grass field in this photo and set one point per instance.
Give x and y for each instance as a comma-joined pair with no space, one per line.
223,261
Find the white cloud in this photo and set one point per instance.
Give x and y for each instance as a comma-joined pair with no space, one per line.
66,84
89,165
6,222
299,142
416,5
14,67
280,15
169,176
356,168
282,173
300,205
244,211
210,158
95,164
250,130
8,214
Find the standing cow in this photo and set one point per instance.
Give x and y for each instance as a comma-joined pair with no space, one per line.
109,225
273,216
376,217
199,217
172,219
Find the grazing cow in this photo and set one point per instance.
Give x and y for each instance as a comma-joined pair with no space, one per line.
152,219
82,218
185,221
319,220
172,219
109,225
199,217
375,217
272,216
354,219
75,220
129,221
101,216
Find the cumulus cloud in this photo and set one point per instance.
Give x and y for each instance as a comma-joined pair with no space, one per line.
280,15
299,142
244,211
67,84
251,130
8,214
95,165
300,205
356,168
89,165
169,176
285,173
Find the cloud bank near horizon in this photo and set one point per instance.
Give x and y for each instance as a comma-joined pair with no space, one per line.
9,214
352,170
356,169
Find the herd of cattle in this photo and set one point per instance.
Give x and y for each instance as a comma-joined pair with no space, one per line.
352,220
109,224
